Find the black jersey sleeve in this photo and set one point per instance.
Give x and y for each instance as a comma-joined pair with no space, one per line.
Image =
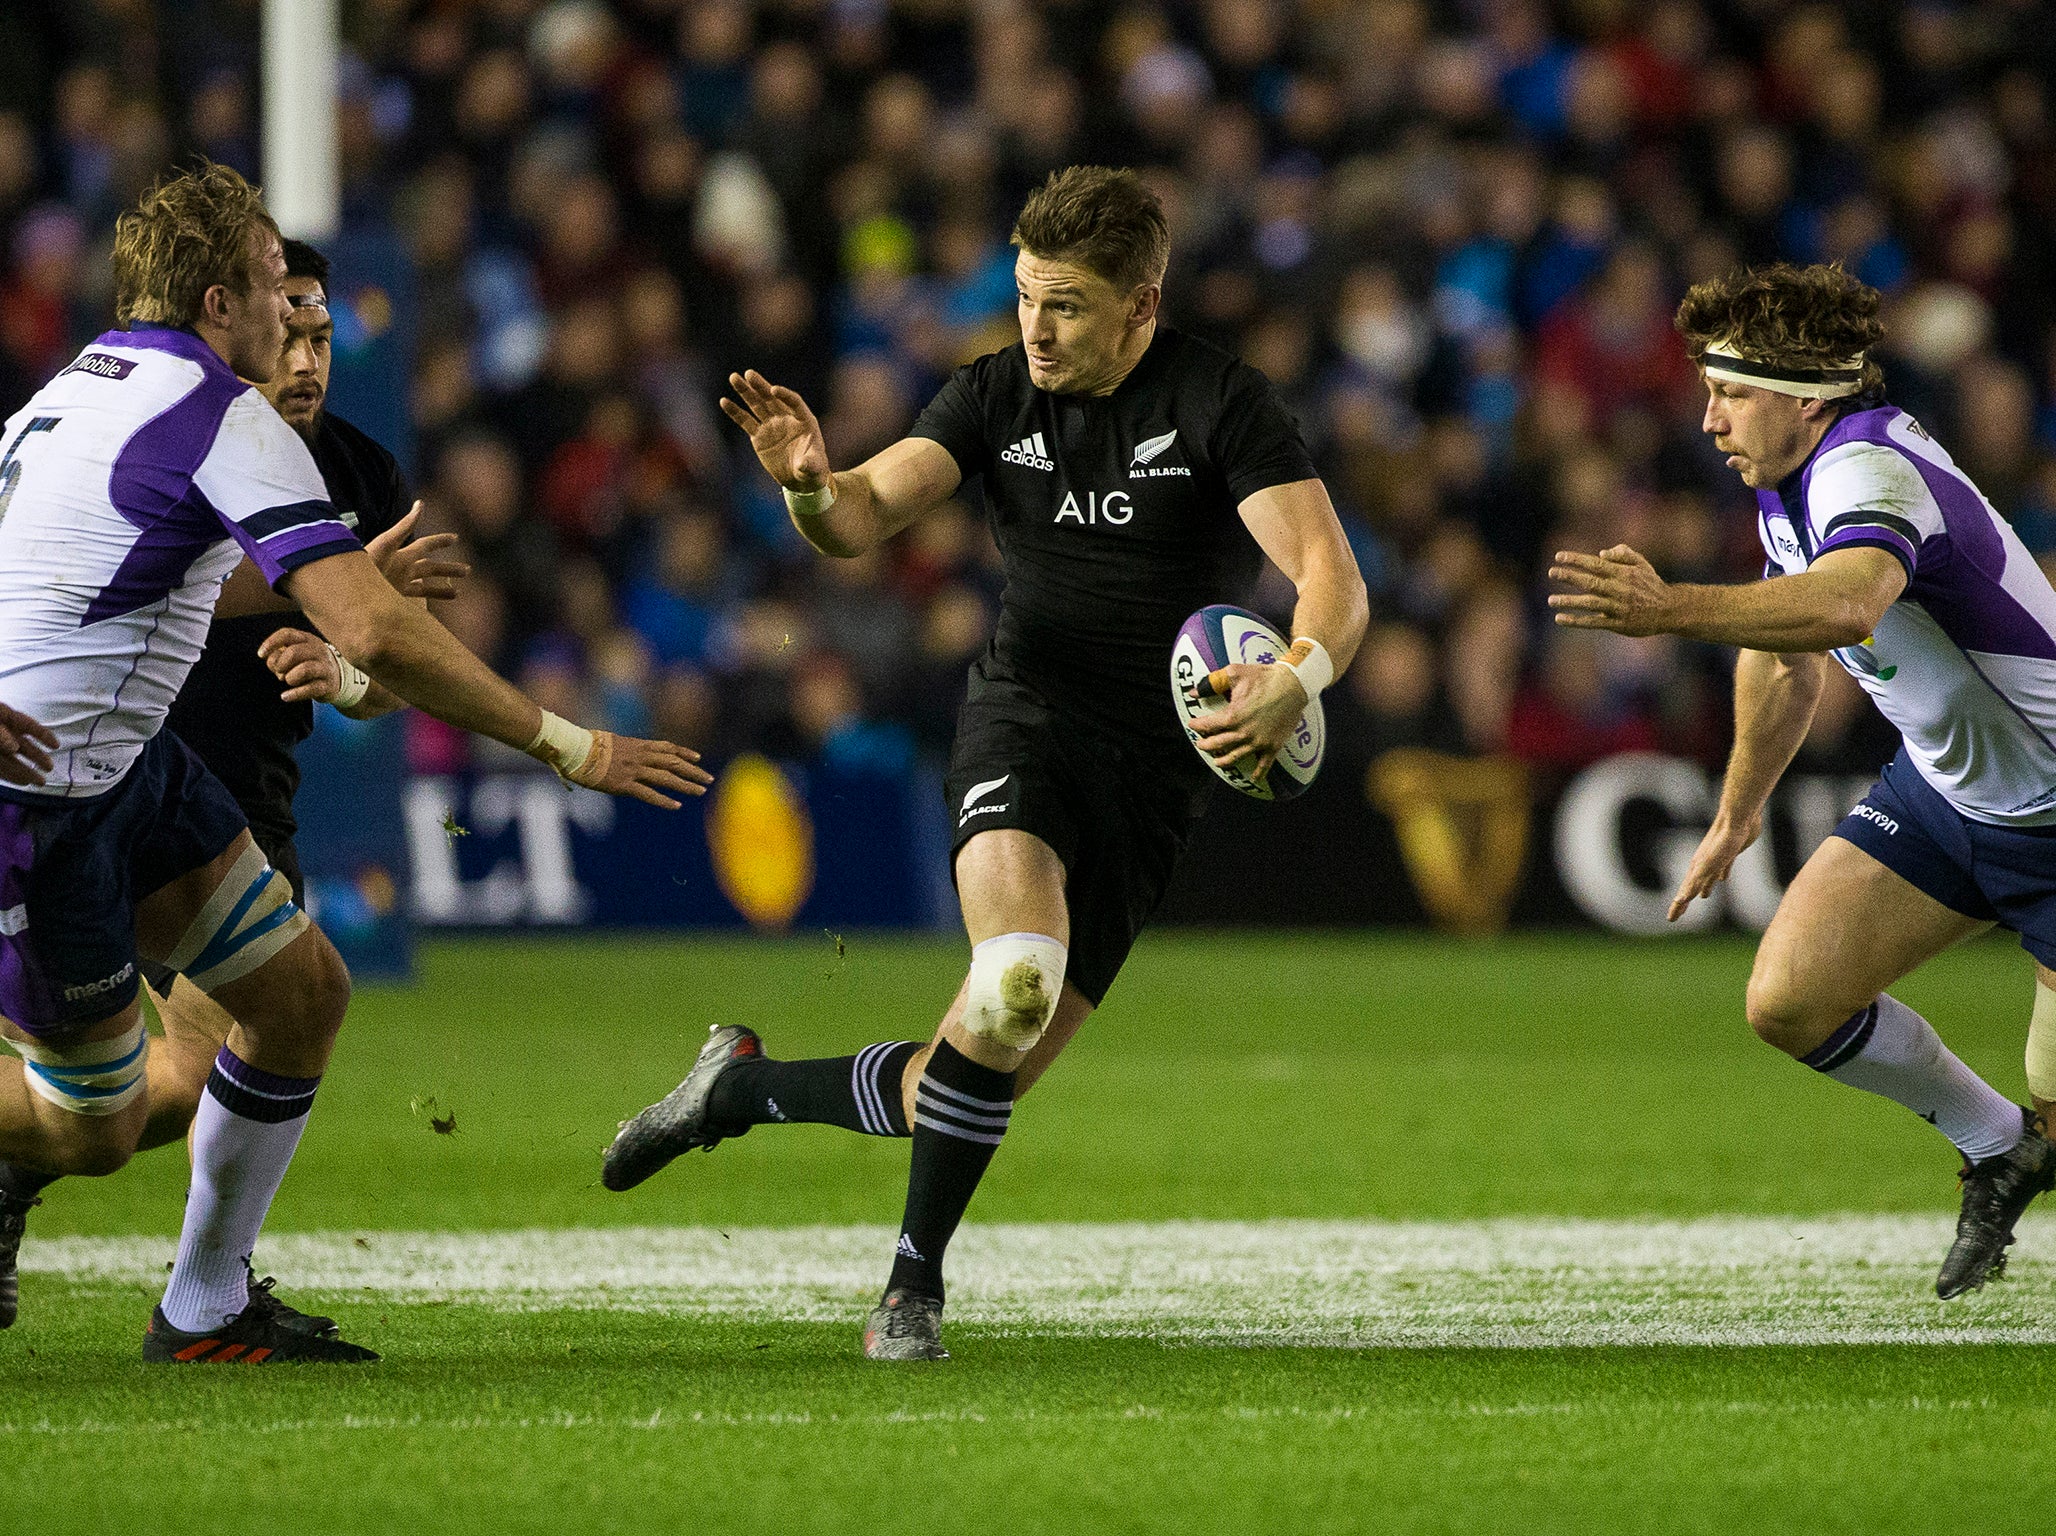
1256,441
955,418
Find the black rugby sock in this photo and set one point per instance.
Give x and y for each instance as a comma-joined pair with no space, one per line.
25,1183
859,1093
962,1114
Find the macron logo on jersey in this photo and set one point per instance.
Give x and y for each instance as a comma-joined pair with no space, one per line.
1029,453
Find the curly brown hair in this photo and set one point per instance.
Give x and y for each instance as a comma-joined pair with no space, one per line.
1786,316
187,233
1107,221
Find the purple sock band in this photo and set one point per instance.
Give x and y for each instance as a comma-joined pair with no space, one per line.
256,1094
257,1080
1846,1043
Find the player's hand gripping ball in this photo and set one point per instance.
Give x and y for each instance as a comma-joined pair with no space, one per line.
1220,636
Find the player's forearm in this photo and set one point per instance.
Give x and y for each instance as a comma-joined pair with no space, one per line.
849,525
420,663
1334,609
1775,697
378,700
1783,615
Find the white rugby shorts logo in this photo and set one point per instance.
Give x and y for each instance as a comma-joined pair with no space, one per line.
1870,812
1029,453
1144,466
978,792
14,920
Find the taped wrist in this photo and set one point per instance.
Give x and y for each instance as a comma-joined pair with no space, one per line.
1015,982
811,503
1311,664
2041,1046
354,684
577,755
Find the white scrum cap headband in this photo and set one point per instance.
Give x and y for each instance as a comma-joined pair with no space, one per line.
1827,383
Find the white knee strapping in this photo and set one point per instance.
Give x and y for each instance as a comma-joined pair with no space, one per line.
2041,1045
1015,982
250,917
96,1078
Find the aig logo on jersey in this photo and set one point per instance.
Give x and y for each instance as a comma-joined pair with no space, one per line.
1144,468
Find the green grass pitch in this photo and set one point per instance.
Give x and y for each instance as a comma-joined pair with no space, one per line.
1305,1234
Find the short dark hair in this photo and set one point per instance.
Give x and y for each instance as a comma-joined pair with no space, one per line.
1106,221
302,260
1788,317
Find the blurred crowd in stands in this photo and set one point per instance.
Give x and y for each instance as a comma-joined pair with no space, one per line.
1452,233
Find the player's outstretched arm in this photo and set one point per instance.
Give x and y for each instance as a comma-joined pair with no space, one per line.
1835,602
839,514
1775,697
1296,526
400,646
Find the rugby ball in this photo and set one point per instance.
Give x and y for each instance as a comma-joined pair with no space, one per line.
1220,636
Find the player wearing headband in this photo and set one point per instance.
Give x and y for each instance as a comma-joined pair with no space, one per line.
1882,554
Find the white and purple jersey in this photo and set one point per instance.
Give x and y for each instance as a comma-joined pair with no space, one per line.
130,486
1964,663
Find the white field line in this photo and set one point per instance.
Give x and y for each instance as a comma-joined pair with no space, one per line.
1505,1283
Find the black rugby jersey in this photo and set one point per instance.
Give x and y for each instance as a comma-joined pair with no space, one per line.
1116,517
229,711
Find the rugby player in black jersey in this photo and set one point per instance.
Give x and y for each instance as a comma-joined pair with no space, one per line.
1132,475
231,712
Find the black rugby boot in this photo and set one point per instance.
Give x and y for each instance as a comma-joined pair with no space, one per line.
1995,1191
905,1326
14,1220
263,1297
679,1121
257,1335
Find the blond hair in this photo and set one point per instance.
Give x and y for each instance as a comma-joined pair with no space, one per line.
1107,221
186,234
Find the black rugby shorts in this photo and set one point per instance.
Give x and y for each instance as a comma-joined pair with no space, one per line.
1117,823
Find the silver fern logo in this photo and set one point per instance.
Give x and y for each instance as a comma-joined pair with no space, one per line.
1143,467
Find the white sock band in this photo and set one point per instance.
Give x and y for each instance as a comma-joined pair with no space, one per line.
2041,1045
1890,1050
1016,980
97,1078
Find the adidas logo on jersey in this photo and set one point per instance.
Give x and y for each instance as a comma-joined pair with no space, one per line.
1142,466
1029,453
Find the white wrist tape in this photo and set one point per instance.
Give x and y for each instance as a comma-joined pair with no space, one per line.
2041,1045
811,503
565,747
354,685
1311,664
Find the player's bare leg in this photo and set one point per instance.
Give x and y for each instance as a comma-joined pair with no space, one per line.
1847,929
281,981
1073,1009
196,1027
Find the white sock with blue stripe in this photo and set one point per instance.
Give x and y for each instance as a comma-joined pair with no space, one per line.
244,1136
1890,1050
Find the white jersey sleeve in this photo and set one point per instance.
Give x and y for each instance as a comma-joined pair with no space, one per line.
1871,494
259,478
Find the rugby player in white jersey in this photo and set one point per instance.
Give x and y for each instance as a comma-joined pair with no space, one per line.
1882,554
130,486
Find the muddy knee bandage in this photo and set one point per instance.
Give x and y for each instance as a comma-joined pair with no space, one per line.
2041,1045
95,1078
1015,982
250,917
